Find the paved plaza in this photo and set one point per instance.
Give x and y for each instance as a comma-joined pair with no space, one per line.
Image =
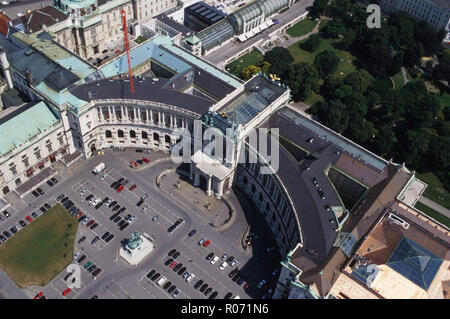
170,197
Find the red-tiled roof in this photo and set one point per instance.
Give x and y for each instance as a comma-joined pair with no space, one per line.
4,24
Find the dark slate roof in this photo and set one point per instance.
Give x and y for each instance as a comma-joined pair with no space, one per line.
145,89
211,84
35,20
173,24
318,231
206,12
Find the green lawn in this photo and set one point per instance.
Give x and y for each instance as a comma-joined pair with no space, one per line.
435,190
140,39
433,214
345,66
40,251
398,80
301,28
244,61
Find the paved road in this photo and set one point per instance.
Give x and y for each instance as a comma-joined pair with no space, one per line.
441,209
8,289
230,49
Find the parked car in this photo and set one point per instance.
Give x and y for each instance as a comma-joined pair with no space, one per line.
96,272
132,187
206,243
261,283
192,232
34,215
36,194
82,239
209,256
223,266
214,260
50,183
7,215
155,218
40,191
66,292
29,218
96,238
94,226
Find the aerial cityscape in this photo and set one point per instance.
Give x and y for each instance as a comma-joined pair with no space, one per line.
225,149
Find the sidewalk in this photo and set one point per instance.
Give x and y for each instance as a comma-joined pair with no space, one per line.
441,209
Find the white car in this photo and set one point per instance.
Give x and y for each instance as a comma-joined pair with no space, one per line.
77,255
83,191
223,266
190,278
214,260
154,219
109,202
98,200
131,219
91,201
161,281
18,227
144,209
103,177
201,241
84,222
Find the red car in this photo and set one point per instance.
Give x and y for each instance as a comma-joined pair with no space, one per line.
65,292
146,160
39,295
133,164
79,214
206,243
247,285
133,187
29,219
173,264
120,189
90,223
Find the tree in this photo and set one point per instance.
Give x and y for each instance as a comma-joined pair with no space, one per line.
333,115
359,80
439,153
397,63
413,54
318,8
384,141
312,43
250,71
441,72
326,62
333,29
303,79
279,59
414,147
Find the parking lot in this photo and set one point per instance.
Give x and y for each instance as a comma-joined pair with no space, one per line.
119,280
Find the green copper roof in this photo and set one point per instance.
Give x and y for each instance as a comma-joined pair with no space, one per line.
193,39
24,123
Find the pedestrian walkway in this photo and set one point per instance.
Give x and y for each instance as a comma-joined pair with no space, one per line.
293,40
441,209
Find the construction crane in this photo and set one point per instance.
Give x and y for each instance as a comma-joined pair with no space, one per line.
127,46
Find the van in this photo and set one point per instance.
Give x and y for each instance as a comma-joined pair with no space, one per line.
161,281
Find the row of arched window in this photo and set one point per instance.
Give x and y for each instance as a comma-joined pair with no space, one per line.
144,135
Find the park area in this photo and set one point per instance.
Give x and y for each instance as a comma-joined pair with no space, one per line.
40,251
301,28
251,58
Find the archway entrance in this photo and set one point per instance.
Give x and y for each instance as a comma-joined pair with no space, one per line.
93,148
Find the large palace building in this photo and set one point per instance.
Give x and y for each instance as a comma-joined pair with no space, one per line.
329,202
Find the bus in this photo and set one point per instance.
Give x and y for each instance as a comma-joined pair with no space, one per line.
97,169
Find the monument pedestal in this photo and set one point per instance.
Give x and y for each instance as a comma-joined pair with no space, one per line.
137,248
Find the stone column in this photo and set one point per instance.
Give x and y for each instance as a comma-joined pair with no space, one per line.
196,178
208,187
219,192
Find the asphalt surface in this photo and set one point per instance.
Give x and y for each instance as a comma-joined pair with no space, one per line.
117,279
